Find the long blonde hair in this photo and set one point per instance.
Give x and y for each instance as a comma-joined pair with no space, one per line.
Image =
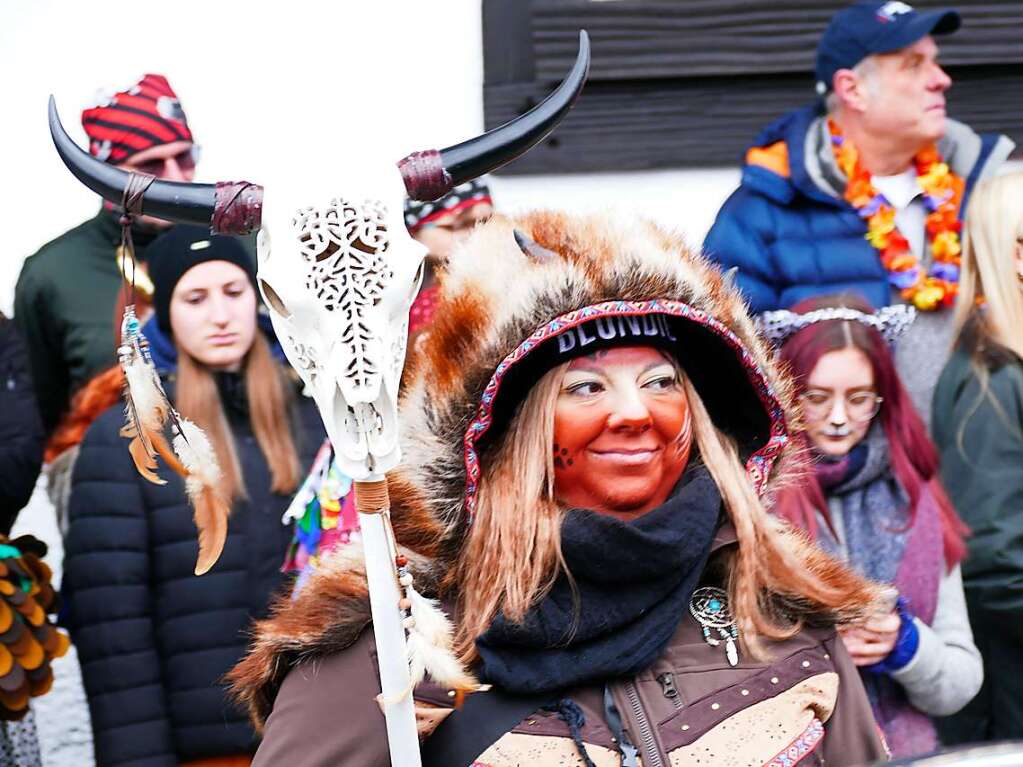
512,555
994,224
198,399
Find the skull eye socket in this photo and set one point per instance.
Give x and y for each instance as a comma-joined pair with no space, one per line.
271,297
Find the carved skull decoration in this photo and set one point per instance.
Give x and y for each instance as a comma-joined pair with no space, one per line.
339,279
337,267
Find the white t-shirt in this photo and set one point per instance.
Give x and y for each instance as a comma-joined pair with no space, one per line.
904,193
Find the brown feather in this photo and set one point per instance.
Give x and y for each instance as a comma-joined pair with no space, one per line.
159,442
210,517
145,462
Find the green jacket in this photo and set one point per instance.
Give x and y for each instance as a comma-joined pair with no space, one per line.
980,437
64,306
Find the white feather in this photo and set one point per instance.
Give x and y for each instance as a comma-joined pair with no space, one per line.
440,663
430,642
145,392
195,452
430,620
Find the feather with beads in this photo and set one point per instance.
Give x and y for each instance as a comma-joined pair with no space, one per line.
145,409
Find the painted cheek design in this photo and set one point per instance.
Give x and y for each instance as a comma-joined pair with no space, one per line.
561,459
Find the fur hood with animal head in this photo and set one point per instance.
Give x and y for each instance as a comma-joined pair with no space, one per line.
509,292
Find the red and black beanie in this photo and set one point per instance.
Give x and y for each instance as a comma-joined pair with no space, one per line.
419,214
145,115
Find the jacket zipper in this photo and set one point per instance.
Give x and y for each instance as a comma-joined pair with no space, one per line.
647,742
667,681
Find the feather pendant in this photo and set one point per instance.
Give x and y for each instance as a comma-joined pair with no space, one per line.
146,409
202,475
430,643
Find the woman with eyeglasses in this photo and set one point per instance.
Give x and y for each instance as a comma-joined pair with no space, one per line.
978,427
874,499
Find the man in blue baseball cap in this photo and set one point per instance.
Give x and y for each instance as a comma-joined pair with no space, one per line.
862,190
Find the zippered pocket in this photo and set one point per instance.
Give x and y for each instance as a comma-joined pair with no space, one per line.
670,691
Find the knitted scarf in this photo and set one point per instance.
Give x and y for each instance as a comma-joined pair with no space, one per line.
632,583
871,509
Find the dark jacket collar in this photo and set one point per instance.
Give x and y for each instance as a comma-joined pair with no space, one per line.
108,222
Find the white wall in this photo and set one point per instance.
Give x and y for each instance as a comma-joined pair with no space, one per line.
268,86
273,86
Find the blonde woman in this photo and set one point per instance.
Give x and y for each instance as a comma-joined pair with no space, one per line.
588,424
153,639
978,427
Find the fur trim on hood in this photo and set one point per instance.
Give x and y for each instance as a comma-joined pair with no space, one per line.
498,307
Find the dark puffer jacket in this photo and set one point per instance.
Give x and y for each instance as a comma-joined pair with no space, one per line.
154,639
21,431
790,233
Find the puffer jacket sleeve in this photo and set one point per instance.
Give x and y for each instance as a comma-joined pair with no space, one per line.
43,341
21,431
852,736
107,585
733,241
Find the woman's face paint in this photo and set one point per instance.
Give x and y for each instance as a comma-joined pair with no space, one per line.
622,432
839,401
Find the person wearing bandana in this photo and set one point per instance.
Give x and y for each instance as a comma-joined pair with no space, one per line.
65,299
864,189
588,431
875,500
441,225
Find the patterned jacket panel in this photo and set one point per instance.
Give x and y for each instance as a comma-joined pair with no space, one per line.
692,707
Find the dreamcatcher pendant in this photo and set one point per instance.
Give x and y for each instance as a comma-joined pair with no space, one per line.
709,606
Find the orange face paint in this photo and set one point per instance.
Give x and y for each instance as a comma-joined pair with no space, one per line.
622,431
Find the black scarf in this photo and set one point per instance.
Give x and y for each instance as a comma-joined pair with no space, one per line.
634,581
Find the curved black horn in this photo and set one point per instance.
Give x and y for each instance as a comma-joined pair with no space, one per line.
227,208
432,174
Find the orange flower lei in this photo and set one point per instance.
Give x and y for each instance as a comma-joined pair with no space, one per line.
943,195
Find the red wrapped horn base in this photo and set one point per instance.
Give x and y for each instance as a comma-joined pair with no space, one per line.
238,208
424,175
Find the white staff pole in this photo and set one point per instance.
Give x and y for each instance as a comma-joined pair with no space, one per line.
372,503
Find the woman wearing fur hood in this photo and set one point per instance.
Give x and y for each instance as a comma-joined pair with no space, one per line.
588,430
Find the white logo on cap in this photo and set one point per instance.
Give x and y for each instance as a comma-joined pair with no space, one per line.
889,11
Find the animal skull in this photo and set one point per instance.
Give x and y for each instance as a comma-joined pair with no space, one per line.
339,278
339,272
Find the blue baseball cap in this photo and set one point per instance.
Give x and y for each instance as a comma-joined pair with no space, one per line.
871,27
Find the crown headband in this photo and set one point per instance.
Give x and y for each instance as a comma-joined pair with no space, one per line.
890,321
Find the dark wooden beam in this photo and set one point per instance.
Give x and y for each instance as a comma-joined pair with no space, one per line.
644,39
508,43
710,121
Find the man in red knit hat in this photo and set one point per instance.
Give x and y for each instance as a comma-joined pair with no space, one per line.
66,294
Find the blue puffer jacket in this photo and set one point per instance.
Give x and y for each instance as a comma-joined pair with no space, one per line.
154,640
792,236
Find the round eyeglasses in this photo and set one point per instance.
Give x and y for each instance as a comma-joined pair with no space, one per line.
859,406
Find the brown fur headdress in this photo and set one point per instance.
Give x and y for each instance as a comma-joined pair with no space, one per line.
498,306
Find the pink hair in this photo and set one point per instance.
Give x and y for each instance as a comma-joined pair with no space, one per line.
913,456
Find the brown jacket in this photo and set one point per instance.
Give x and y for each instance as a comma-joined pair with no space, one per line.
807,706
310,676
